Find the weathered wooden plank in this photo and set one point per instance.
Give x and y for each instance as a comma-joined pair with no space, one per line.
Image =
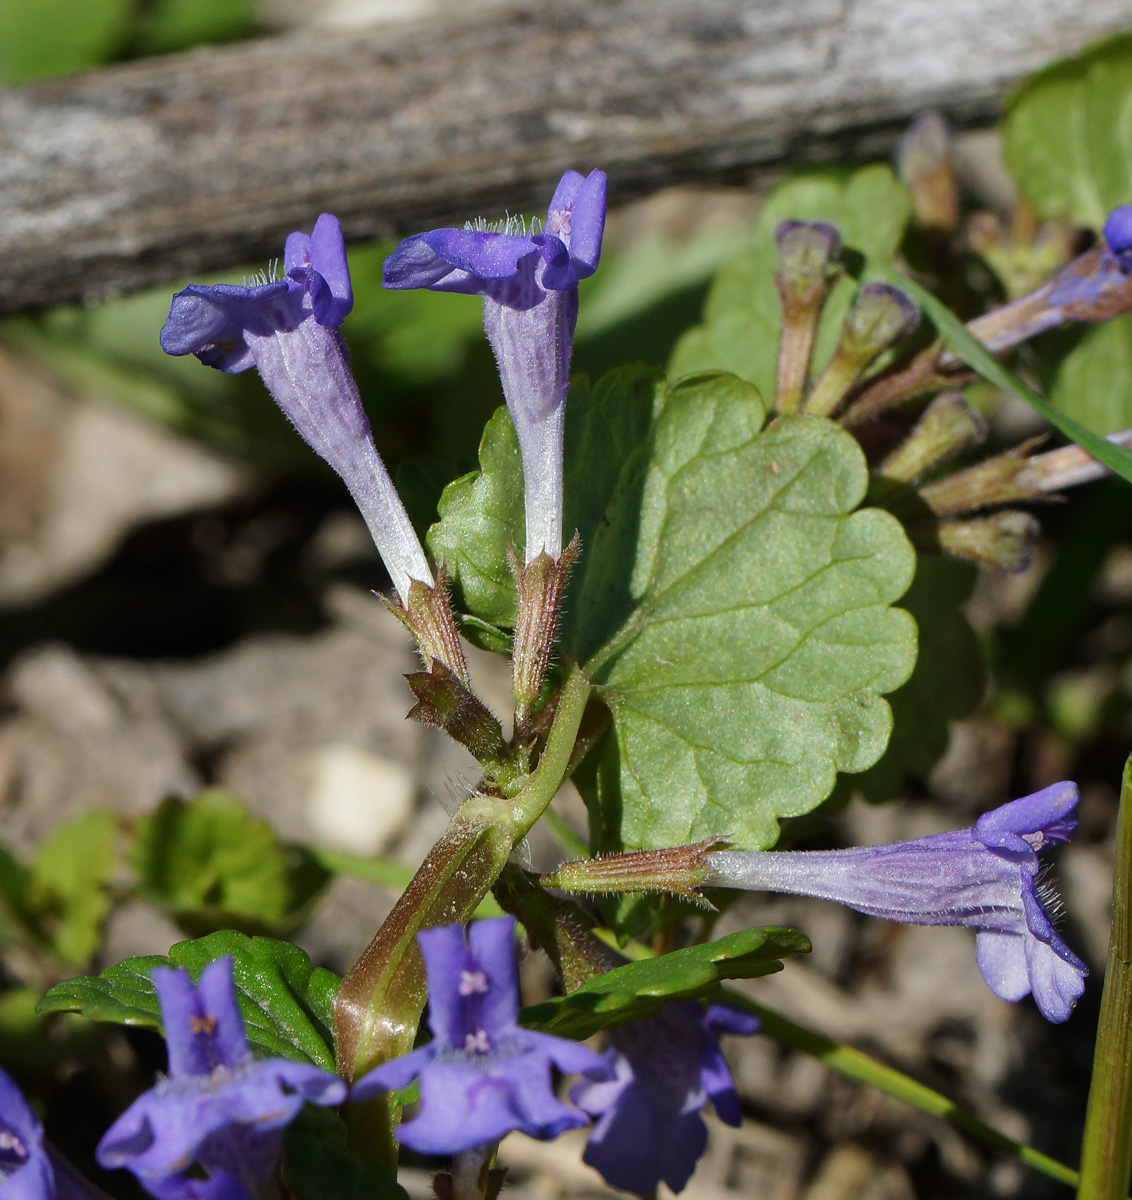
143,173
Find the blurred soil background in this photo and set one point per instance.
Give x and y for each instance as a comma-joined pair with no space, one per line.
185,604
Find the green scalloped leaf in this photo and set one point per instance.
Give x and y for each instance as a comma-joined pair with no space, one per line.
731,606
751,669
742,315
638,989
1067,135
286,1003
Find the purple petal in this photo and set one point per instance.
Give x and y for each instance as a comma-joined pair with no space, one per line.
559,273
394,1075
577,215
1055,982
570,1057
541,1114
715,1077
598,1096
1001,958
33,1181
414,264
25,1169
167,1128
210,322
635,1147
726,1018
1049,812
217,995
492,945
486,255
184,1019
328,258
217,1185
461,1107
446,957
296,252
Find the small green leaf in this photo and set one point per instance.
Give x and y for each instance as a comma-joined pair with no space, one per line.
1067,136
67,898
212,864
481,516
742,316
286,1003
750,672
1093,382
967,347
638,989
946,684
318,1166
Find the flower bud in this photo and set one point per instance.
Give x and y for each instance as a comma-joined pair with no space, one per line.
926,163
806,271
1003,542
881,315
948,425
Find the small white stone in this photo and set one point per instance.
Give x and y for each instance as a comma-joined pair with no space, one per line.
358,802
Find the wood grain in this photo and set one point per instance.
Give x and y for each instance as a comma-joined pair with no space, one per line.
156,170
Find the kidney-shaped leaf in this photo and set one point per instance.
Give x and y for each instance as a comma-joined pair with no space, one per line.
751,670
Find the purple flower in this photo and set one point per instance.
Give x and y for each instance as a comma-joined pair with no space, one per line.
986,878
288,330
218,1109
29,1168
529,284
482,1075
665,1069
25,1169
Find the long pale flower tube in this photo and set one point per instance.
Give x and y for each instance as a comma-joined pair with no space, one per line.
288,330
986,878
529,283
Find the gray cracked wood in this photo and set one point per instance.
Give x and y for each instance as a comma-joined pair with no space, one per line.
151,171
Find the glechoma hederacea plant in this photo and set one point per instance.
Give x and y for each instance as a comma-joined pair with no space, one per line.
733,564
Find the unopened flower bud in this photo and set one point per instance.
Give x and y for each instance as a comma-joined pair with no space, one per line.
806,270
1003,542
948,425
881,315
925,161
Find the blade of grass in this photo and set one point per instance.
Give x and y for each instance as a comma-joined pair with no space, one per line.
1106,1154
967,347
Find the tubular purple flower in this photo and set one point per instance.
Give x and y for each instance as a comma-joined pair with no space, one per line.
218,1109
986,878
529,284
288,330
665,1069
482,1075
